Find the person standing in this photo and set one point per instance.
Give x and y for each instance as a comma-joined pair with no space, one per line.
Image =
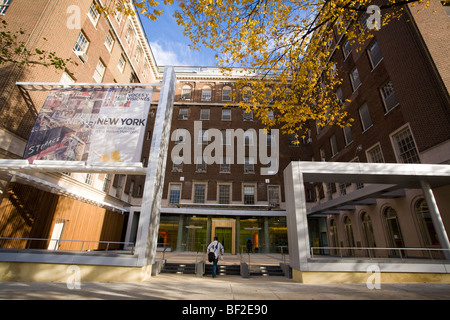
216,247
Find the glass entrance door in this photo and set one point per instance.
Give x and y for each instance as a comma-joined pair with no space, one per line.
224,235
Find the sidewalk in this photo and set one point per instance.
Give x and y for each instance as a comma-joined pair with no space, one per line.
189,287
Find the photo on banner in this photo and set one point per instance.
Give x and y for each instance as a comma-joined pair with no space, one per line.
90,124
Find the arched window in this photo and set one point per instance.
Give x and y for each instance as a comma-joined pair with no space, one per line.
349,235
426,226
206,93
334,241
368,230
226,93
394,232
186,92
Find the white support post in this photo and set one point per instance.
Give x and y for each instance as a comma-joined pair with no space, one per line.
436,218
296,216
147,237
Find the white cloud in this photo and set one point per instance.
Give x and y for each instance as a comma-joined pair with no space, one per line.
170,53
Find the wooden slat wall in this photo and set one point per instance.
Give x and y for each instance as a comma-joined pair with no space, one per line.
26,212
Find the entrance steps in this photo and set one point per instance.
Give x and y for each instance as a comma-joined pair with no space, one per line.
224,270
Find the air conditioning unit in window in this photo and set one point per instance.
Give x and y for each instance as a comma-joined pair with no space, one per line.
82,55
182,117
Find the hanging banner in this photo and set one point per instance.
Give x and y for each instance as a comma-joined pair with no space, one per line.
91,124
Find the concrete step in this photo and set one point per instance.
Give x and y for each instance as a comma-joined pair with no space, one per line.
265,270
179,268
229,270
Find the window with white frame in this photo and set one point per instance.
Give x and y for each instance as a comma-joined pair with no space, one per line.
374,154
66,78
175,193
355,79
94,15
183,114
138,54
274,196
347,49
389,98
122,62
225,166
248,115
201,165
199,193
109,42
206,93
186,92
375,54
4,4
81,44
348,135
99,71
226,93
226,114
405,147
89,179
364,115
129,35
204,114
249,165
203,137
333,143
246,94
249,194
224,194
226,137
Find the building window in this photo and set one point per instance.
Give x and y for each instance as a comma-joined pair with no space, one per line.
4,4
129,35
199,193
405,147
389,98
246,94
177,167
274,196
248,115
347,49
89,178
137,54
203,137
183,114
109,42
106,183
225,165
348,135
374,155
94,15
226,114
395,237
122,62
249,195
249,165
322,154
226,93
174,194
375,54
206,94
99,71
355,79
334,146
81,45
204,114
186,92
426,226
364,115
201,165
224,194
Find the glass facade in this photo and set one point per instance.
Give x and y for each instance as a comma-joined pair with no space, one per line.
194,233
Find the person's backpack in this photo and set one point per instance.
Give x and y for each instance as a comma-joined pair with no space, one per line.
211,254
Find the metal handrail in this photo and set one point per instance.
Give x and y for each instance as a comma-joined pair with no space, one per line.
369,249
3,239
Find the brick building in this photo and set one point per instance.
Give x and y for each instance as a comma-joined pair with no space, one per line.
398,86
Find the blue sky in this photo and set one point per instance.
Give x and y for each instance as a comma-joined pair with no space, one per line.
170,46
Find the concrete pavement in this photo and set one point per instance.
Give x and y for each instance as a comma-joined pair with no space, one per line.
189,287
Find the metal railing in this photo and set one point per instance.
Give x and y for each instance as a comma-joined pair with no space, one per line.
402,253
57,242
